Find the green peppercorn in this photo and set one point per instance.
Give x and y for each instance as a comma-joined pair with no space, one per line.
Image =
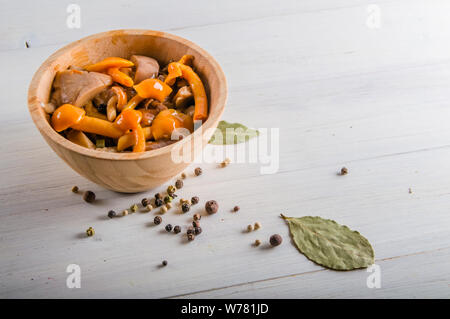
171,189
168,199
179,184
195,200
177,229
169,228
89,196
185,207
90,232
145,202
158,202
157,220
134,208
112,214
197,230
75,189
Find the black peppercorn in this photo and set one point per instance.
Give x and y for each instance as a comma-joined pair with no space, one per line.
75,189
211,207
191,237
158,196
196,223
197,217
236,208
275,240
190,230
185,207
145,202
112,214
158,202
344,171
198,230
177,229
102,108
179,184
195,200
198,171
169,228
164,263
157,220
89,196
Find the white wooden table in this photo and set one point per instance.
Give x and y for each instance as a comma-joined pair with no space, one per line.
344,87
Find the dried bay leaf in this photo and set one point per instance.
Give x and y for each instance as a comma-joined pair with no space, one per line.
329,244
232,133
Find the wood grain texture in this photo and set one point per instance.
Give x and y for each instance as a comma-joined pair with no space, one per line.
342,94
128,172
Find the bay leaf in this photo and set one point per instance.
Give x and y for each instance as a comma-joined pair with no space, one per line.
232,133
330,244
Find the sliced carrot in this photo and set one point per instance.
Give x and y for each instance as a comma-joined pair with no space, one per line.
98,126
111,62
120,77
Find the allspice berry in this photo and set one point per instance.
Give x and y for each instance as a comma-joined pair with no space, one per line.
157,220
179,184
211,207
195,200
198,171
89,196
275,240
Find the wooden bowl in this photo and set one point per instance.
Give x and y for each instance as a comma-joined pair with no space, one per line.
128,172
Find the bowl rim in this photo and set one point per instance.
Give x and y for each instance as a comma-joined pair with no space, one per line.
47,131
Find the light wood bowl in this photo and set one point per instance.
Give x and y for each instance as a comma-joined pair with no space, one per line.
127,172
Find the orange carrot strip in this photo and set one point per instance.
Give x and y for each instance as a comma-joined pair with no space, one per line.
111,62
127,140
120,77
122,98
133,102
98,126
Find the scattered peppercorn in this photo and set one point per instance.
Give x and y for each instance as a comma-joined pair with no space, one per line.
190,230
169,228
158,202
211,207
191,237
198,171
90,231
163,210
134,208
124,212
112,214
179,184
226,162
185,207
250,228
168,205
275,240
183,175
164,262
157,220
236,208
257,225
171,189
149,207
197,230
197,217
167,199
177,229
344,171
195,200
158,196
89,196
196,223
75,189
257,242
145,202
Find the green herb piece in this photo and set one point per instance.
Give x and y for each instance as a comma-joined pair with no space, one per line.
329,244
232,133
100,143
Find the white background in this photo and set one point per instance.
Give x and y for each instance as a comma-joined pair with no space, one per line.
344,91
